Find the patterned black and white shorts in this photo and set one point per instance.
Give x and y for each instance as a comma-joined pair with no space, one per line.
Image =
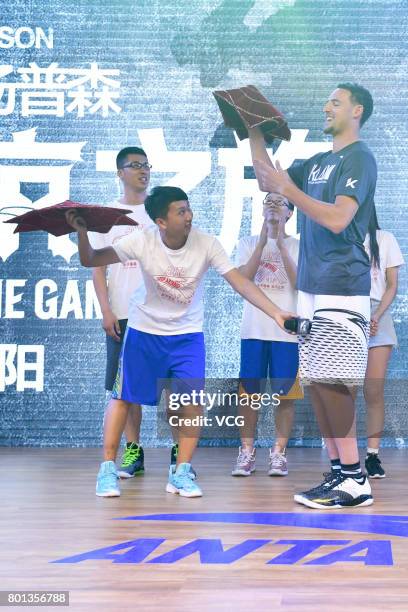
335,351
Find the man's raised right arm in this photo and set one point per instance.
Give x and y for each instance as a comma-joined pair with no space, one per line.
89,257
258,146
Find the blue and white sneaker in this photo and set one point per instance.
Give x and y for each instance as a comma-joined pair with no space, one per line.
173,461
180,482
107,480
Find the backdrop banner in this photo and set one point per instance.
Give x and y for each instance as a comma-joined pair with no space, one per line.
81,80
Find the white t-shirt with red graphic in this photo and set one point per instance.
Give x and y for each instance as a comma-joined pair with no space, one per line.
124,280
272,278
173,302
390,257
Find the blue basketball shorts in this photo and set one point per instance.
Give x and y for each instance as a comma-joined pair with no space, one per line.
150,362
263,359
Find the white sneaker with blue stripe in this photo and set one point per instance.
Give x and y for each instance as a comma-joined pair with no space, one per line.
107,480
180,482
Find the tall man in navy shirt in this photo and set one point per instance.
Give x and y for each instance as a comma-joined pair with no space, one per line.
334,192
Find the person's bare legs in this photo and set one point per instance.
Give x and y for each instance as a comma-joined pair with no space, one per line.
169,412
114,423
133,423
323,422
250,419
113,426
181,477
348,486
247,412
188,435
284,414
378,358
339,412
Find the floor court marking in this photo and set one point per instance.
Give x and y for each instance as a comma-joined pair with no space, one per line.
375,523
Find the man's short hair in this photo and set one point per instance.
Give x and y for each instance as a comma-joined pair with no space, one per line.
158,202
122,155
360,95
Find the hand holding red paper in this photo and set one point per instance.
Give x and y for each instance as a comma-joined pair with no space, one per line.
245,108
53,219
75,220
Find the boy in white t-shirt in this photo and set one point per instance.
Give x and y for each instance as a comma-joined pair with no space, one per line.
270,260
164,338
117,283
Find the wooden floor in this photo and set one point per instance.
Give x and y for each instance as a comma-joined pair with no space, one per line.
49,512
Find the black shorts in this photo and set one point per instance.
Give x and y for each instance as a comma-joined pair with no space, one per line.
113,348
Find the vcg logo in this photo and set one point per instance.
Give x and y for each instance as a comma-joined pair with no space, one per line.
212,551
25,37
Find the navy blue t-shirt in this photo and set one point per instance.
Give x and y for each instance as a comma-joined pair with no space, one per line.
329,263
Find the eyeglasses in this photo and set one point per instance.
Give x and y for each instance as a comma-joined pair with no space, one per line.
137,165
271,198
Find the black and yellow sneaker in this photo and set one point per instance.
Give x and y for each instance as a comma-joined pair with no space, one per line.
132,461
342,492
373,466
329,478
173,461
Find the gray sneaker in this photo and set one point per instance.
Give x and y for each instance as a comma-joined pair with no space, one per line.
245,463
278,465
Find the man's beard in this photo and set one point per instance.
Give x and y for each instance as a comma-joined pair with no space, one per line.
329,130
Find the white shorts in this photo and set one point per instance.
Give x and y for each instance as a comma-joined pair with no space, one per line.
336,349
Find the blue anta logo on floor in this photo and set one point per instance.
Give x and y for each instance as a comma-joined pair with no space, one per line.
212,551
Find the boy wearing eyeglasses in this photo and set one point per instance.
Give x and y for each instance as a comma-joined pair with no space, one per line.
270,261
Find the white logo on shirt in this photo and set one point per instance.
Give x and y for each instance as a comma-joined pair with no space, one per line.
176,287
351,183
320,175
271,273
